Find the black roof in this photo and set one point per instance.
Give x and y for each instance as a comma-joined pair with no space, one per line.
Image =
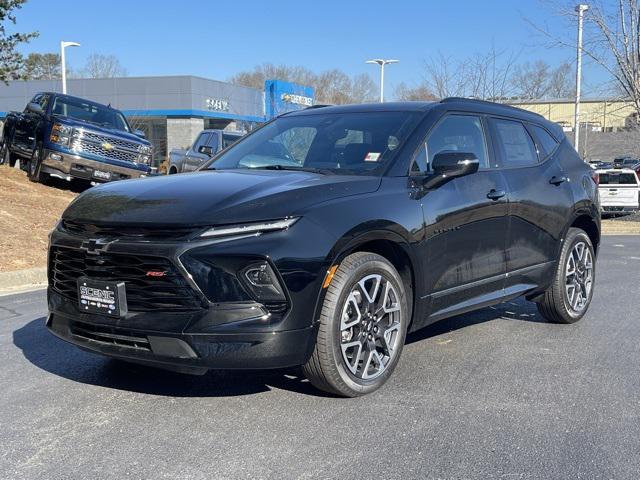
451,103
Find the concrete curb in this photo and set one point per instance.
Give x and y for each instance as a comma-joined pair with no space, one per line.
18,280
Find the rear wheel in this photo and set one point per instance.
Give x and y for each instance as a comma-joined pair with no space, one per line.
362,328
6,157
173,170
34,171
570,294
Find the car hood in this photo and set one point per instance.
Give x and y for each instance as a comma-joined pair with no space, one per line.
212,197
77,123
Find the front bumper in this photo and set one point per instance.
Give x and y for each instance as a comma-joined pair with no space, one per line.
76,166
185,352
203,335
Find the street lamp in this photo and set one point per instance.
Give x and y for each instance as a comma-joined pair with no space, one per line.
382,62
63,45
580,9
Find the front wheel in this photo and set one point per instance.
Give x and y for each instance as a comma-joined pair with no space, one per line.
362,328
570,294
34,171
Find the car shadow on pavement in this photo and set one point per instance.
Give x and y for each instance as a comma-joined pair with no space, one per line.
53,355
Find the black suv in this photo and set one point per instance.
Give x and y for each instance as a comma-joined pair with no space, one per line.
323,237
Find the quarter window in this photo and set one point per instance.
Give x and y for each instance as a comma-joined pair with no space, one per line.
546,143
458,133
515,144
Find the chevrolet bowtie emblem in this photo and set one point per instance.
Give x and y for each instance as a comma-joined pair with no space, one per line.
107,146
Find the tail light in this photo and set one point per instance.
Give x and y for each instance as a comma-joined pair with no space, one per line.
595,177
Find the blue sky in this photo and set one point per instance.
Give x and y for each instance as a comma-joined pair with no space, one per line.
217,39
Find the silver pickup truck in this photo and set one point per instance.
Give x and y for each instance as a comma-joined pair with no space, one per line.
206,145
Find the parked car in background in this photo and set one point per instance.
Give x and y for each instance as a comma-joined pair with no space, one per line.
625,162
74,139
325,236
206,145
619,190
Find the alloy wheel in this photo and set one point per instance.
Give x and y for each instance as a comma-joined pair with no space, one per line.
370,327
579,277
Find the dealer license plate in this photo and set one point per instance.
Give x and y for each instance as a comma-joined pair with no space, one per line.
102,175
105,298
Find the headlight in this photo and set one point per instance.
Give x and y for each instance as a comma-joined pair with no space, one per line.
250,228
60,129
60,134
146,159
145,149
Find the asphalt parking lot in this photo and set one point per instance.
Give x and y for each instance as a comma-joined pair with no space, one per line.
494,394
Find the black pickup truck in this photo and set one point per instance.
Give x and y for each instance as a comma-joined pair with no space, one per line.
74,139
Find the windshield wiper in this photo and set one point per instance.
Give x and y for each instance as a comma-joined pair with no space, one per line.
321,171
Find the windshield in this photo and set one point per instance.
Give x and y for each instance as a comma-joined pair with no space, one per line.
347,143
89,112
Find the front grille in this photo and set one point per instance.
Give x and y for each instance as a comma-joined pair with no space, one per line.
80,145
100,139
170,292
147,233
110,336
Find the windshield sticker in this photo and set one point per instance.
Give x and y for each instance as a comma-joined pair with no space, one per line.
372,157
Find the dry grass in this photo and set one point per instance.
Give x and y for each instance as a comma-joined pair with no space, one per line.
616,227
28,212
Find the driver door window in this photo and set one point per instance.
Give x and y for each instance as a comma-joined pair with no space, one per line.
458,133
202,140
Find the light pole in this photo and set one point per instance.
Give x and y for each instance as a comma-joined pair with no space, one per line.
63,45
580,9
382,62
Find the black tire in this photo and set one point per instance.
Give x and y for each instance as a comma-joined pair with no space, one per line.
6,157
557,303
34,167
173,170
327,369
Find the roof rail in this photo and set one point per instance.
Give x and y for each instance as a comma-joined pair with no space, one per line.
320,105
486,102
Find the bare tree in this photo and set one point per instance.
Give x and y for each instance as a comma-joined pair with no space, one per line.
532,80
419,93
331,86
102,66
10,60
483,75
561,81
42,66
612,40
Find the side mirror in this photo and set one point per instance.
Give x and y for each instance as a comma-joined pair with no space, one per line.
448,165
206,149
34,107
139,133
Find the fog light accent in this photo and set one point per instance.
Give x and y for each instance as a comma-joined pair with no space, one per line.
263,283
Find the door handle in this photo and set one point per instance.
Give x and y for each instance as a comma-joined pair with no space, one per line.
557,179
496,194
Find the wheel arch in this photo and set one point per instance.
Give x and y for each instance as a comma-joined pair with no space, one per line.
388,244
585,222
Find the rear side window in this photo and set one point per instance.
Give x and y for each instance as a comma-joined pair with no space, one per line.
618,179
515,144
458,133
546,143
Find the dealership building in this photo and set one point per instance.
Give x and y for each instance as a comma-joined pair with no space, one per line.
172,110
